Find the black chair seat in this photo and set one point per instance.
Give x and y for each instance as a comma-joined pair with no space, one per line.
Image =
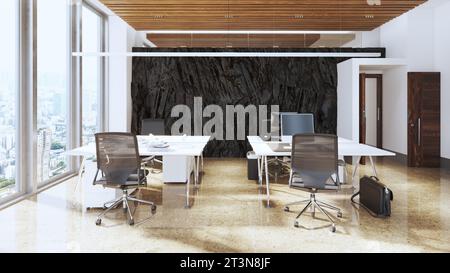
301,185
132,181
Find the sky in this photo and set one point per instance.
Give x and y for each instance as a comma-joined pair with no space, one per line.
53,40
8,32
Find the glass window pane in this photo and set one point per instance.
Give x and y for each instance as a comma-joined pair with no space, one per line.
92,74
52,87
9,46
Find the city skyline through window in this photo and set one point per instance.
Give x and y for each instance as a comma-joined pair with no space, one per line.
52,88
56,111
92,74
9,31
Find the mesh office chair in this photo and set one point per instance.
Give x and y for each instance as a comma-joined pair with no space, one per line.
314,161
120,166
303,123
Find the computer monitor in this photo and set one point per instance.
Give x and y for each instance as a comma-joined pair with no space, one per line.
292,124
275,129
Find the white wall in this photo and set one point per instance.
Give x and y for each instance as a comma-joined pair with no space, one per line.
365,39
347,100
422,38
121,39
371,111
442,64
395,112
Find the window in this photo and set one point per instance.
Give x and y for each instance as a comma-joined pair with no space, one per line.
92,75
53,53
56,114
9,78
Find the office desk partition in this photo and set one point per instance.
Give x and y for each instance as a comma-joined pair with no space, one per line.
346,147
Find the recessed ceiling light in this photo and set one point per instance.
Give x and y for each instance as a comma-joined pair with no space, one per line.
369,16
232,54
298,16
275,46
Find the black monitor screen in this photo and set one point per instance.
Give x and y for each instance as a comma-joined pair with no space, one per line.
292,124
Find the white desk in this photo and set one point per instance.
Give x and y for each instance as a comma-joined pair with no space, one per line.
346,147
179,159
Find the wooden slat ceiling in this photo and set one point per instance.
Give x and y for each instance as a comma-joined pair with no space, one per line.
247,15
354,15
233,40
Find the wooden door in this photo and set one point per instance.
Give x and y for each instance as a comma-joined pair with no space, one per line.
424,119
362,109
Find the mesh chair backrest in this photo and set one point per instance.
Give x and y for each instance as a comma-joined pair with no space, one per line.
117,156
314,158
153,126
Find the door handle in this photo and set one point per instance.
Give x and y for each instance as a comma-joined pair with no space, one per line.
378,113
419,125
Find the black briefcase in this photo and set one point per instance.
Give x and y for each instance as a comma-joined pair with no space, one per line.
374,196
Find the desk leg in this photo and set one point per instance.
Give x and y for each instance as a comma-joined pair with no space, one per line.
358,159
81,171
267,180
373,167
187,192
201,158
259,171
197,165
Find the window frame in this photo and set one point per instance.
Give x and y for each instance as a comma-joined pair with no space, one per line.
26,104
101,97
19,183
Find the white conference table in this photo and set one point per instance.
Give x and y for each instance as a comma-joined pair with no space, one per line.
346,147
176,157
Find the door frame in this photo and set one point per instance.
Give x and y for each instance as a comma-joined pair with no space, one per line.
362,107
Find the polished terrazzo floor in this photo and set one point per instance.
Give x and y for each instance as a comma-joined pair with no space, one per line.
228,214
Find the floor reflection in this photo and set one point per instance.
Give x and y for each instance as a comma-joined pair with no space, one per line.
229,213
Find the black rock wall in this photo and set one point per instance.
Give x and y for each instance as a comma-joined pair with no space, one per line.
295,84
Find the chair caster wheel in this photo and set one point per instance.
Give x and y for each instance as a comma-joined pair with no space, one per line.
339,214
98,222
333,228
296,224
286,209
153,209
131,222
